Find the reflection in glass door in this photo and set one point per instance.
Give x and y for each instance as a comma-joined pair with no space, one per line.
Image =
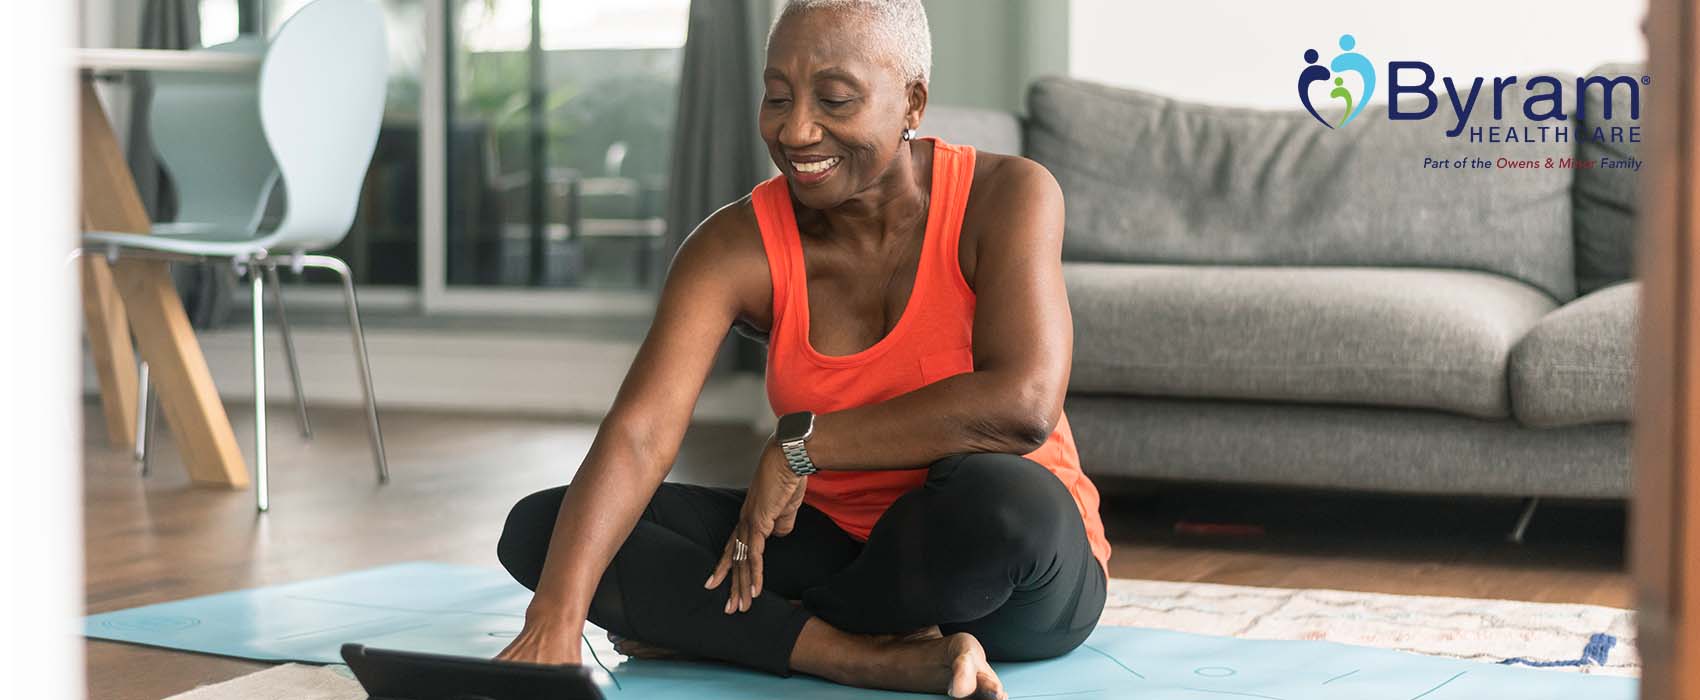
558,136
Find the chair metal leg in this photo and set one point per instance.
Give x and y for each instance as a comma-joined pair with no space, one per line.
144,397
150,408
147,417
262,494
289,352
1522,526
360,358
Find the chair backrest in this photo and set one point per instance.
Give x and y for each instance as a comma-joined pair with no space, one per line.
322,89
206,130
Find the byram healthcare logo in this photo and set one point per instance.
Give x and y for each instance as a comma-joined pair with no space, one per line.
1350,78
1349,61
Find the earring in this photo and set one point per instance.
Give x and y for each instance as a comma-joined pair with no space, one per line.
908,134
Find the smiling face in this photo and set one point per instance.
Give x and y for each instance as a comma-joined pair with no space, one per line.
835,105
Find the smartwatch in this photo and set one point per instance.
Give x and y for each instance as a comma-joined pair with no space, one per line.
793,431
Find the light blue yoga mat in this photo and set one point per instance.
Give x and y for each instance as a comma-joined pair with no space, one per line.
473,611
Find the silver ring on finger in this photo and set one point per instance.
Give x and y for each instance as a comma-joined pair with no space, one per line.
740,551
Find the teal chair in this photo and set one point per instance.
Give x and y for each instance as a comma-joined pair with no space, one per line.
320,100
206,130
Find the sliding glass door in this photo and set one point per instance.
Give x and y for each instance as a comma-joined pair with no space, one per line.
558,128
523,160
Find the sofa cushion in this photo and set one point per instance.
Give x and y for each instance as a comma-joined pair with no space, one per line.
1154,180
1576,365
1605,197
1351,447
991,130
1436,339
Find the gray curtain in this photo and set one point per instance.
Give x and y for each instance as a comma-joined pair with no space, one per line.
250,17
717,153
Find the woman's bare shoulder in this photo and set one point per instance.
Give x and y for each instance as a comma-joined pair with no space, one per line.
728,246
1000,174
1006,188
731,226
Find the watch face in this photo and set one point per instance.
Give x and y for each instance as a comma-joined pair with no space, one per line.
795,426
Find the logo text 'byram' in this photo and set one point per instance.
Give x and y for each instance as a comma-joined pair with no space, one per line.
1544,99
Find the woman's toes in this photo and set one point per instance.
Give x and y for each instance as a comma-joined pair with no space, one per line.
633,648
642,650
964,678
971,676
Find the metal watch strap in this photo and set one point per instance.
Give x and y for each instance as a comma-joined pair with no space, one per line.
797,457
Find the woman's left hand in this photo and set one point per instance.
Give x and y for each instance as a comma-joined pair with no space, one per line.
770,509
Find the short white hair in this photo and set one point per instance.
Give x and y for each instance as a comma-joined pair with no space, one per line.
899,24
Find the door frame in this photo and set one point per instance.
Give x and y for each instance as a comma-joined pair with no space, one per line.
1666,510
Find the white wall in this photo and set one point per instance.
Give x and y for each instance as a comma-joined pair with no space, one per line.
1248,53
985,52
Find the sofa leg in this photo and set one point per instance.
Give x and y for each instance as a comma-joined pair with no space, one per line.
1522,526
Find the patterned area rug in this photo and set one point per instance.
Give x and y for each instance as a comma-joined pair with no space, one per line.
1573,638
1578,638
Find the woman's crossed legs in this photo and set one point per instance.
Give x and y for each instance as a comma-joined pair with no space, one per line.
991,545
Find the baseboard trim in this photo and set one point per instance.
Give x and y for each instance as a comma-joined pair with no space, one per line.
572,378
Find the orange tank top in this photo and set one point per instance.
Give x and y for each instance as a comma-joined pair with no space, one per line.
932,340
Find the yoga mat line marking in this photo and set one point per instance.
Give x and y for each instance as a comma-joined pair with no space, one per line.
1343,675
1056,695
340,628
392,608
1231,692
598,659
1442,685
1115,661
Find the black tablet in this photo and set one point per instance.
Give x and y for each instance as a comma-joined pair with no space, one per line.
403,675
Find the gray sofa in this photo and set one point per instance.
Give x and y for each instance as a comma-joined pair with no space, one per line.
1261,299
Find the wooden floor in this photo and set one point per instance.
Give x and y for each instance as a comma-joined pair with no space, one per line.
157,539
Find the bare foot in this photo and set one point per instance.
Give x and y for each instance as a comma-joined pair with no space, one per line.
644,650
971,675
929,663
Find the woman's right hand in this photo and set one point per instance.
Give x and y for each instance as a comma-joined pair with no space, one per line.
545,640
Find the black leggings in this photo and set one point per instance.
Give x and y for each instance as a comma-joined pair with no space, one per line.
991,544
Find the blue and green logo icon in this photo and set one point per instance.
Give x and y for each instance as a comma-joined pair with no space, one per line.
1349,61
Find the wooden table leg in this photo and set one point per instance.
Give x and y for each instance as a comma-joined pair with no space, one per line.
155,315
109,345
179,373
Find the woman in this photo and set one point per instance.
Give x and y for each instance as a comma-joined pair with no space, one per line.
921,508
